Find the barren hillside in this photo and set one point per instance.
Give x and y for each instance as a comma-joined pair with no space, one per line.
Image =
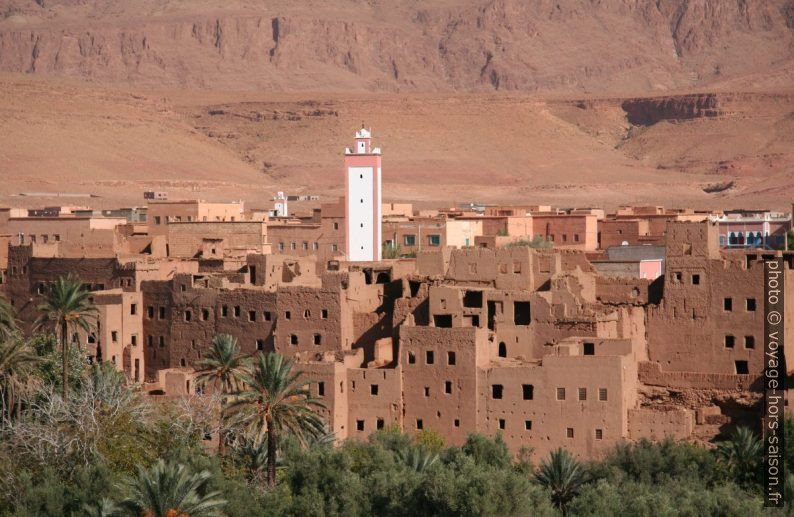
584,46
61,136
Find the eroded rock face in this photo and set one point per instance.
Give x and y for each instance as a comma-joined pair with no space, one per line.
472,45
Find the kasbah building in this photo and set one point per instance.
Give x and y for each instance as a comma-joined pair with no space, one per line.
644,323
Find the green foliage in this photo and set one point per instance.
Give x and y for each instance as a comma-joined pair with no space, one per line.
18,359
67,307
430,440
670,498
391,251
8,318
502,232
742,456
166,487
486,451
563,476
276,401
537,242
655,462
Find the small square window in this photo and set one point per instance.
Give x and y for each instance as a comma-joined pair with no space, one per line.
324,314
268,316
419,424
582,393
236,311
456,423
251,315
379,423
293,339
749,341
750,304
451,358
359,425
496,391
742,368
727,304
224,311
427,391
448,387
307,313
560,393
528,425
411,358
730,341
162,313
162,341
287,315
502,423
678,277
318,339
695,279
429,357
133,309
114,336
373,389
260,344
588,349
150,312
321,389
569,432
599,434
602,394
134,340
188,315
205,314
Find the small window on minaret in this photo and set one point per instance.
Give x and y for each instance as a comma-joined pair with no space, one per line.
361,176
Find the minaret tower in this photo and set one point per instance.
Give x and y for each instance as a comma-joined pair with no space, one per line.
363,199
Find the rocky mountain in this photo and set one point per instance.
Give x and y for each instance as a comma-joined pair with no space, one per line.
630,47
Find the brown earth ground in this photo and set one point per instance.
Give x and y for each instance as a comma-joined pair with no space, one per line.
62,135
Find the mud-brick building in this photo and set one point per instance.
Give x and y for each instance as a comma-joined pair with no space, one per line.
293,313
711,317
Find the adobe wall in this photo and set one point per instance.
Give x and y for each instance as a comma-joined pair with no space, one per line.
427,402
329,385
374,400
656,424
566,399
186,239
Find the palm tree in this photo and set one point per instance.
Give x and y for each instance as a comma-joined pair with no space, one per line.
273,401
223,367
418,458
8,318
563,475
169,490
742,454
67,306
17,358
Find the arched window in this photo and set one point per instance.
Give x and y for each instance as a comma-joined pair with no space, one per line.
759,240
741,239
750,239
732,239
502,349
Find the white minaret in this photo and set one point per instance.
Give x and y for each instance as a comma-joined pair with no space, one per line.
363,199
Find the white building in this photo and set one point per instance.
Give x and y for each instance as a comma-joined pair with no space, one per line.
363,199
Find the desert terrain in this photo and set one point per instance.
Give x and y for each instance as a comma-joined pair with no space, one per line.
682,103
